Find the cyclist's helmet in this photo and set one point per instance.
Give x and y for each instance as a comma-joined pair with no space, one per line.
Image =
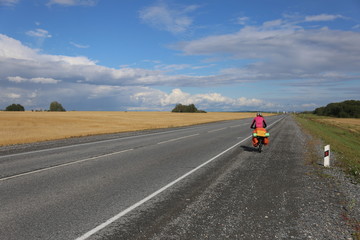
259,114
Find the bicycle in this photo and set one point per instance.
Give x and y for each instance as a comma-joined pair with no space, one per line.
261,135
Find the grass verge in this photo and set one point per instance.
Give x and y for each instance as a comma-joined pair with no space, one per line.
343,138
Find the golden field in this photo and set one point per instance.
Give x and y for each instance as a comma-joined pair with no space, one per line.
27,127
351,124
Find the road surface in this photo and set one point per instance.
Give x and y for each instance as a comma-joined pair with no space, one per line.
198,182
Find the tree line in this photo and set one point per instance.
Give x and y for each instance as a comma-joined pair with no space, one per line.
346,109
54,107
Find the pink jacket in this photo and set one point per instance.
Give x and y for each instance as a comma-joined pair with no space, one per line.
259,122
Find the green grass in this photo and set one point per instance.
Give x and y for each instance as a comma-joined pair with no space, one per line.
344,143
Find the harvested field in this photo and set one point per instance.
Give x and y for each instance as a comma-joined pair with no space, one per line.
27,127
351,124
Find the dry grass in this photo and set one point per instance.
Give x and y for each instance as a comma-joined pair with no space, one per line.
351,124
26,127
343,136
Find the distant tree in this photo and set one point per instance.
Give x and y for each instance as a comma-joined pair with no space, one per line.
178,108
56,107
187,108
15,107
319,111
192,108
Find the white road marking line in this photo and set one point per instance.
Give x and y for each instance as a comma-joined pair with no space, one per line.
88,159
175,139
96,142
103,141
139,203
211,131
63,165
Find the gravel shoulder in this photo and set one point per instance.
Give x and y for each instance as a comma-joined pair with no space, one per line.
247,195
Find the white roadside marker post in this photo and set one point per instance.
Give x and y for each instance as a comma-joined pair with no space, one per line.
327,156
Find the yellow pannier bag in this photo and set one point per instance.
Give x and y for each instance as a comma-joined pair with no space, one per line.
261,132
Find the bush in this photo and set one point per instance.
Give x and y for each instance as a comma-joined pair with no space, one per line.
15,107
56,107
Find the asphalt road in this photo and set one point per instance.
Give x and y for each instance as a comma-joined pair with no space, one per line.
198,182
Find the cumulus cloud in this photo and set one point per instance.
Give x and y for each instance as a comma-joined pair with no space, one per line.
203,101
29,77
171,19
17,59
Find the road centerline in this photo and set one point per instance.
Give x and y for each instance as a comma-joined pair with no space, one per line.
216,130
175,139
62,165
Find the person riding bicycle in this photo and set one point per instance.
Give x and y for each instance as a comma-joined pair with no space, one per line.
259,122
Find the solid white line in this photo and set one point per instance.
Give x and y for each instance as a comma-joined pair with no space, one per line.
211,131
129,209
139,203
63,165
175,139
84,144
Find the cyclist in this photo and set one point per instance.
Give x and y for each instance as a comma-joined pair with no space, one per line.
258,122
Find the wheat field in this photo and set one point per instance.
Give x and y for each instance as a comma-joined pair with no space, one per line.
28,127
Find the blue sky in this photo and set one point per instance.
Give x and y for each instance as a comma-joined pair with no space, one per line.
142,55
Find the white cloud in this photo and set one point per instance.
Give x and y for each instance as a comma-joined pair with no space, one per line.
285,52
79,45
322,17
274,23
209,100
40,33
13,95
73,2
309,105
19,60
8,2
172,67
17,79
242,20
13,49
41,80
164,17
